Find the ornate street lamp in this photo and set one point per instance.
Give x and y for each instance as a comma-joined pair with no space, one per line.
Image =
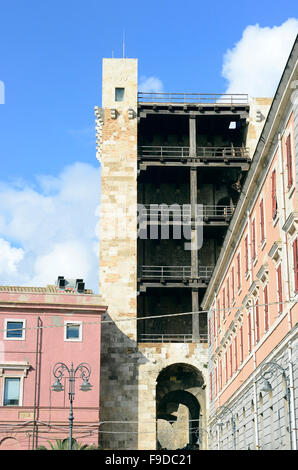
220,423
61,370
268,370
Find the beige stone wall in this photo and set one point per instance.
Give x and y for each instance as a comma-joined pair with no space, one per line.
158,357
258,110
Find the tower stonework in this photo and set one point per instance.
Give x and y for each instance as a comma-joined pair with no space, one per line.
179,151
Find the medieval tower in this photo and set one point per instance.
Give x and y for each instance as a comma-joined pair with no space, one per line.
172,168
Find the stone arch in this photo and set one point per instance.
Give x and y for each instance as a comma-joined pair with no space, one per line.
9,443
180,404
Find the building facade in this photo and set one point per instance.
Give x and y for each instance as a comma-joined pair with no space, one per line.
39,327
252,294
172,169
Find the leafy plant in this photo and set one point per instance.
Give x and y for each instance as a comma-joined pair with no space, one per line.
60,444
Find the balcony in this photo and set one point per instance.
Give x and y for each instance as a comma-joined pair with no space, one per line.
170,338
173,276
193,98
203,155
181,214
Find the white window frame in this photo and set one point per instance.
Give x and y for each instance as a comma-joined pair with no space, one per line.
6,376
7,320
73,322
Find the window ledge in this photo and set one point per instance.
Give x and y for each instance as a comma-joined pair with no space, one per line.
263,244
275,220
291,191
255,260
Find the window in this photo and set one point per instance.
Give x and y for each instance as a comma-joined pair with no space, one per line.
279,288
246,253
257,321
218,314
273,194
14,329
249,331
262,221
231,360
295,263
289,161
215,380
266,317
214,323
224,303
236,352
253,239
11,391
220,374
227,368
241,344
211,397
119,94
209,331
73,331
228,293
233,284
238,272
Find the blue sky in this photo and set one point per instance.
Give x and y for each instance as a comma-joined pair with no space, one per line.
50,64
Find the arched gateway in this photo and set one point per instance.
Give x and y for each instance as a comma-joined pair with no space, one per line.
179,406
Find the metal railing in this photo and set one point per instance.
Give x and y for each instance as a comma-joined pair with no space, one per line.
173,272
193,98
170,338
171,152
182,212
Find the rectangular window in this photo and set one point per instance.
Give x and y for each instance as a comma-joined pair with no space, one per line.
231,360
220,374
249,331
233,285
215,380
238,272
214,323
211,397
11,391
236,352
228,293
262,221
218,314
266,310
119,94
224,303
273,194
227,368
279,288
14,329
241,344
289,161
73,331
257,321
295,262
246,253
253,239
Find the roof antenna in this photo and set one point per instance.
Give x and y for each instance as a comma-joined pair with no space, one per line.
123,43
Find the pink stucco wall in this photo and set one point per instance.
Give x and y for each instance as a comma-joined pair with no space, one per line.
49,346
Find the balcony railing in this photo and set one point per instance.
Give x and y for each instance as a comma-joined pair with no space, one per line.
193,98
171,152
173,272
182,213
170,338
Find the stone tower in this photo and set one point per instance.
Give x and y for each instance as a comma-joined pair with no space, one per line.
172,167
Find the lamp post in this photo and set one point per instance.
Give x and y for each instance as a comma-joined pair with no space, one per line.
268,370
220,423
61,370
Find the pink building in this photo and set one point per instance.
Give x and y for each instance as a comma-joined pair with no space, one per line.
252,296
40,326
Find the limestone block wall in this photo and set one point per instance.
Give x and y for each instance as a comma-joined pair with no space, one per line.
258,110
158,357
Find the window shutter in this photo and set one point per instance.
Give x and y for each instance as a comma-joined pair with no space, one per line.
274,200
289,161
262,220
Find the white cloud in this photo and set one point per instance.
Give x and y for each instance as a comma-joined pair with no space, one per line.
256,62
150,85
50,229
9,258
